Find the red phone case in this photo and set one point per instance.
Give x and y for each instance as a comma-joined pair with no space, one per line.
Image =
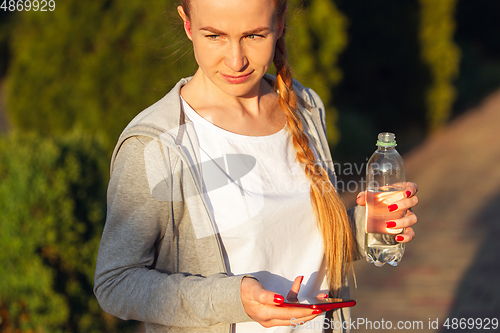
324,304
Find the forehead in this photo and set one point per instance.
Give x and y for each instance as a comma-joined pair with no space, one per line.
232,14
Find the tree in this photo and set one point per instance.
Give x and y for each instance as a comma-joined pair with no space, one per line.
437,28
93,65
385,79
476,34
90,67
51,217
318,35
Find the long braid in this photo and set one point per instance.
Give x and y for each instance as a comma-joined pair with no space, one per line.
339,243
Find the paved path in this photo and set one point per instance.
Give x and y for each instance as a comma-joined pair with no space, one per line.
452,268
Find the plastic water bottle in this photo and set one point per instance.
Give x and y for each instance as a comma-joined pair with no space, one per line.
385,175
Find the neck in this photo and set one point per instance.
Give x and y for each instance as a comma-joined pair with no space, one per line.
202,93
256,113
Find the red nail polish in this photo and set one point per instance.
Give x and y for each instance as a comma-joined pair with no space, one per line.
278,299
317,311
390,224
400,238
408,193
393,207
301,279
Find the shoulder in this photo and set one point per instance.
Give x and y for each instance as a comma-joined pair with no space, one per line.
308,95
156,120
164,114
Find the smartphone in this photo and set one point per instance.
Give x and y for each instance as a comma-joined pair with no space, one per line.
323,304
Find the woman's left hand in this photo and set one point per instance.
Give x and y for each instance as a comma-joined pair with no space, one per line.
406,203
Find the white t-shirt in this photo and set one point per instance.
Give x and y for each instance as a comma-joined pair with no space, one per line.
258,195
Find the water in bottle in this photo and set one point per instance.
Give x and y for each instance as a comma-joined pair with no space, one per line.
386,176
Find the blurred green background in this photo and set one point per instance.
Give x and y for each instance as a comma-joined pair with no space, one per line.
72,78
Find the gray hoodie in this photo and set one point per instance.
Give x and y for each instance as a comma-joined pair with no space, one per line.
161,260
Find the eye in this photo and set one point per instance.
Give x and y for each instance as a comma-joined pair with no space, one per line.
254,36
212,37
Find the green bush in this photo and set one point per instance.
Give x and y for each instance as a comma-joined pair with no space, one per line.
51,218
317,36
385,79
477,35
92,65
442,55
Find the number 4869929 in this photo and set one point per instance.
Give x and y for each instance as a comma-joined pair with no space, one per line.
27,5
471,323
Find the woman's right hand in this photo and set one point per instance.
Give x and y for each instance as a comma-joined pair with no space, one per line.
262,305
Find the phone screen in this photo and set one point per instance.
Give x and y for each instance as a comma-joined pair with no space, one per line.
324,304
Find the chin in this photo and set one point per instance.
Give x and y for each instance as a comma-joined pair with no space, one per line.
240,89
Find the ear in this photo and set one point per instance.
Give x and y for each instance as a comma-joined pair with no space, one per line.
187,22
281,27
281,23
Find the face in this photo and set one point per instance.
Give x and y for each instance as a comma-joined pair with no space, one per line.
233,42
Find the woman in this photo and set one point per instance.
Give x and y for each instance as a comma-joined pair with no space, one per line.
221,200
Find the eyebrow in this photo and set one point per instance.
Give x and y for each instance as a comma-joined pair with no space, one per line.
250,32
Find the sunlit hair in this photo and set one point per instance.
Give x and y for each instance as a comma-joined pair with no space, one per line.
339,242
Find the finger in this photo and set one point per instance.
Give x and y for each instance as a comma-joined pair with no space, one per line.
264,305
403,204
323,295
292,321
407,221
269,297
294,291
253,291
407,235
411,189
285,312
361,198
269,306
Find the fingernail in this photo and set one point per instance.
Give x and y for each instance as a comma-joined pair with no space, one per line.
317,311
408,193
278,299
400,238
390,224
301,279
393,207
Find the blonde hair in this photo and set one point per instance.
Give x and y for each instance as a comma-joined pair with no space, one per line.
340,246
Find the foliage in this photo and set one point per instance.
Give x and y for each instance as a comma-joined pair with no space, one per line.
5,36
92,65
385,80
439,51
318,35
98,64
477,36
51,217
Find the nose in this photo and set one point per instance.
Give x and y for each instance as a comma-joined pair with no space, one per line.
235,57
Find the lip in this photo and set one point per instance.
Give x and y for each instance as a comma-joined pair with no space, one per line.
236,78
